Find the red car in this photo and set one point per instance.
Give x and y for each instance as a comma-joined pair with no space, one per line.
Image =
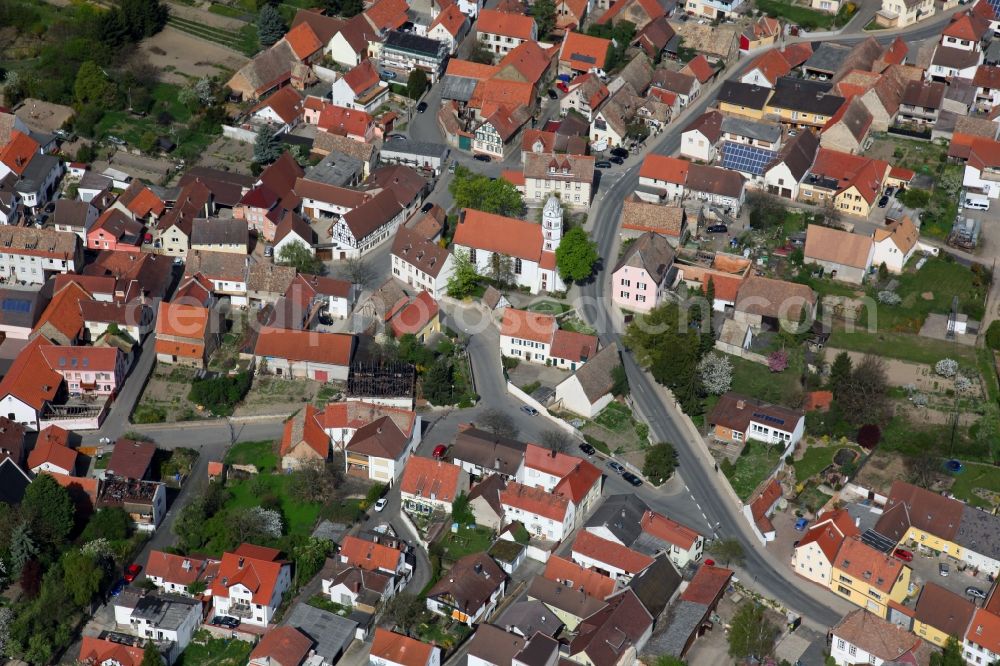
132,571
439,451
904,555
562,86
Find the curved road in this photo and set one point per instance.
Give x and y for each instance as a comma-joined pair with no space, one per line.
665,419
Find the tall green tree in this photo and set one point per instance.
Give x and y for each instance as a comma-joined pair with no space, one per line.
664,342
950,655
48,508
464,278
729,551
93,86
151,656
751,633
473,190
144,18
267,146
576,255
82,576
439,383
660,463
111,523
405,610
544,12
417,83
270,26
300,257
840,372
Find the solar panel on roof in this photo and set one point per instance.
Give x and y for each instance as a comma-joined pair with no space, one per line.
15,305
768,418
877,541
744,158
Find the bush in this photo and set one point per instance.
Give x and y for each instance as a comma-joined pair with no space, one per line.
993,335
149,414
889,297
220,395
660,463
869,436
946,367
915,198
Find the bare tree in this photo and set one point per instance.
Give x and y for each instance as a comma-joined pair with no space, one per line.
923,470
358,271
557,440
499,423
863,398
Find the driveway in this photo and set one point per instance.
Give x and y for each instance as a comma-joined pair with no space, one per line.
925,570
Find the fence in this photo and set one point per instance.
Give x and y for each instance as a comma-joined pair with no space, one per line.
238,133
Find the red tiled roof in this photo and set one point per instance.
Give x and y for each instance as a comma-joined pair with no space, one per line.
415,316
901,173
182,321
452,18
53,434
172,568
663,528
48,451
968,26
772,65
984,630
329,348
101,359
305,427
284,646
356,414
362,77
63,311
583,52
551,462
303,40
829,531
862,172
369,555
699,68
343,121
578,483
98,651
668,169
536,501
131,458
492,94
30,379
529,59
528,325
285,102
818,401
18,152
399,649
495,22
796,54
707,585
470,70
572,575
424,477
496,233
573,346
761,505
896,52
594,547
255,567
984,153
143,202
864,563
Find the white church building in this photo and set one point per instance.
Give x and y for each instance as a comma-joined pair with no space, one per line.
491,240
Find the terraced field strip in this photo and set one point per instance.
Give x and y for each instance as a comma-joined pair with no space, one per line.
221,36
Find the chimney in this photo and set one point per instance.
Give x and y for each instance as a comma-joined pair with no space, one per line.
740,404
241,563
186,565
477,567
496,463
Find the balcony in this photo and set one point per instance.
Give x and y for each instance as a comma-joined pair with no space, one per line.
240,610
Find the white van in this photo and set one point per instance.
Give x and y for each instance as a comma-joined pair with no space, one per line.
977,203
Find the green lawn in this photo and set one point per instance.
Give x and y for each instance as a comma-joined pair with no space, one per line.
918,440
548,307
576,325
442,632
466,541
301,517
812,498
920,156
261,454
805,17
814,460
757,381
615,416
904,346
976,476
207,651
932,289
323,603
753,466
226,10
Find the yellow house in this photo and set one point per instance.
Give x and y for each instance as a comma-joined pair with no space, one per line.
853,182
421,318
743,99
868,577
927,519
801,102
940,613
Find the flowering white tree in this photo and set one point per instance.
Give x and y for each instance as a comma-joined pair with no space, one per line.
946,367
889,298
6,617
962,384
716,373
265,521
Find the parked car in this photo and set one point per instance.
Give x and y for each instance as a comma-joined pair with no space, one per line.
562,86
800,524
380,504
439,451
616,466
50,207
616,159
884,201
225,621
588,449
426,207
632,478
268,250
718,229
943,569
903,554
619,152
452,166
396,137
116,141
118,588
482,158
889,191
387,75
602,164
530,411
975,592
132,571
421,107
553,94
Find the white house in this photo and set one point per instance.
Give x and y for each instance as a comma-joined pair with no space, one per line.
341,420
162,617
367,226
895,244
713,9
381,450
449,26
312,355
250,584
982,170
386,556
430,486
588,390
620,562
865,638
700,138
982,640
494,240
174,574
361,88
545,515
471,590
32,255
783,175
949,62
737,418
323,202
536,338
502,32
815,553
225,270
662,178
421,263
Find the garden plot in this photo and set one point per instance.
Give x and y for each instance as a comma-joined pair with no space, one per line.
615,431
165,398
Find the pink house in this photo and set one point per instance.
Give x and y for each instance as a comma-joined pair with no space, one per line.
115,230
87,370
644,273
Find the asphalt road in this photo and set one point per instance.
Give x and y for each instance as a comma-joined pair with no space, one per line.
702,481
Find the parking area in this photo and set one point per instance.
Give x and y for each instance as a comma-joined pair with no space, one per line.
926,565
